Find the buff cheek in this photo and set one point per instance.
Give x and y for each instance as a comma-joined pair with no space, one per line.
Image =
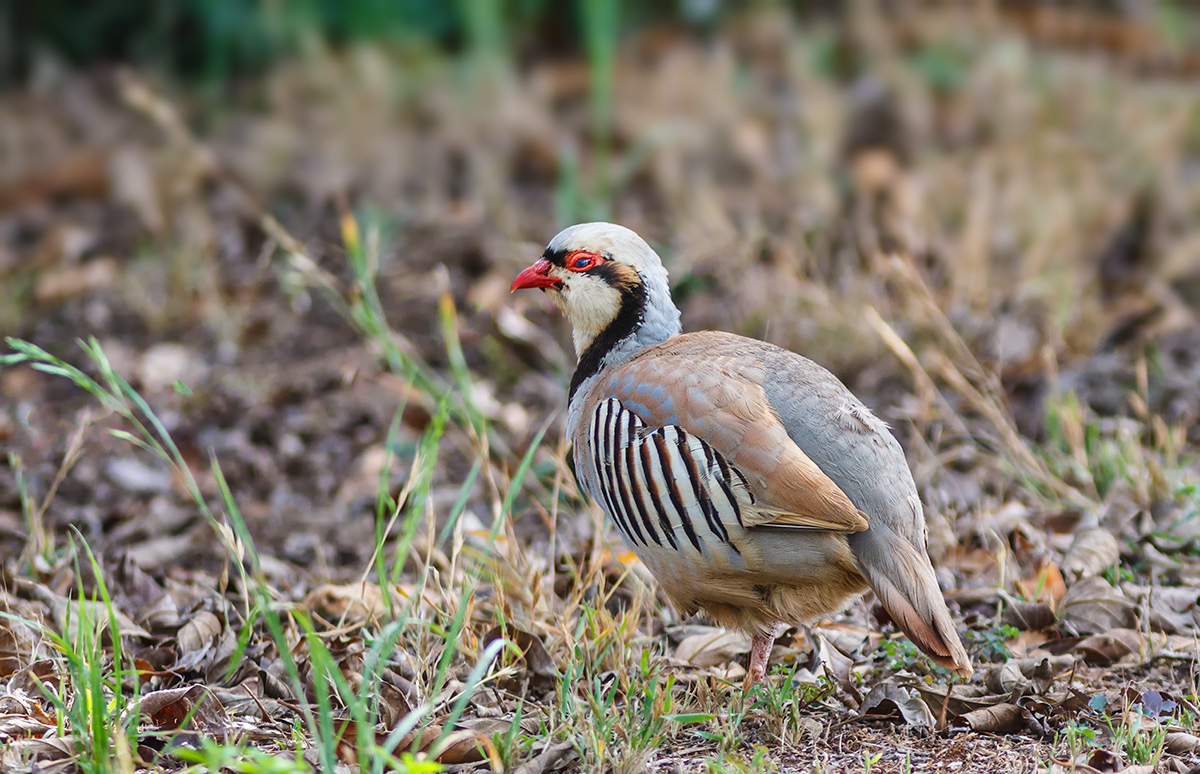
591,304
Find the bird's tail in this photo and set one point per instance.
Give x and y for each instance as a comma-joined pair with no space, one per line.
904,581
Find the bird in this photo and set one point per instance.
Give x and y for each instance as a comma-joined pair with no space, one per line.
748,479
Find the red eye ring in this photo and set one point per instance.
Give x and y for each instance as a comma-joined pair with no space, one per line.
581,260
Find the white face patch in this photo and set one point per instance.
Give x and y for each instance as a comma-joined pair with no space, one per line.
589,303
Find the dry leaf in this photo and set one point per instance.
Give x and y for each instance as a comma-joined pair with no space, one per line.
546,759
29,680
69,613
1105,760
1173,609
1028,616
1007,678
472,741
394,706
194,705
19,641
352,602
138,592
891,700
1180,646
1004,718
1092,606
139,475
1181,743
55,748
833,663
13,726
958,700
848,639
1034,673
1110,647
538,662
1027,642
164,364
1093,551
712,648
1046,585
131,178
201,631
69,281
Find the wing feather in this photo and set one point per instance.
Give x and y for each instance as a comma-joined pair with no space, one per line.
724,406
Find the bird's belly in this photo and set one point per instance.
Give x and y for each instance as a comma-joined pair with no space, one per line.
776,575
756,607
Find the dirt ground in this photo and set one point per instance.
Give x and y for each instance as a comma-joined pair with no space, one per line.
990,230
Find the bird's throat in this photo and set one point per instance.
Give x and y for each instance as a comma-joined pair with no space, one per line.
615,338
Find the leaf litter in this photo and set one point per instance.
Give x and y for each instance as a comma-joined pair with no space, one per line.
1054,443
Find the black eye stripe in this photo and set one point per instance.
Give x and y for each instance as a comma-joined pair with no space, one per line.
560,258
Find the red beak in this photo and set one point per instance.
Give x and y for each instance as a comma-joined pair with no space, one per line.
536,276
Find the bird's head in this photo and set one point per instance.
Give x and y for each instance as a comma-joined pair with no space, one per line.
607,281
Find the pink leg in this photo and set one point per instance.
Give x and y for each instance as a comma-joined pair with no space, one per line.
760,651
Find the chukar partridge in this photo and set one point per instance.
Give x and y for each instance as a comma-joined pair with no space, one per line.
748,479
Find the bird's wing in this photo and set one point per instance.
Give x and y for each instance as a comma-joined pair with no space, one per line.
850,445
715,394
857,451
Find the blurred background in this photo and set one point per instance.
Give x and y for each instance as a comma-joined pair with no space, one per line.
283,219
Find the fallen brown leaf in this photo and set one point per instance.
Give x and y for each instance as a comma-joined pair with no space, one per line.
1005,718
1035,673
1110,647
14,726
472,742
193,707
1181,743
538,662
1093,551
394,705
1173,609
712,648
1092,606
55,748
350,602
828,660
30,679
1026,642
70,281
201,631
1028,616
547,759
891,700
1046,585
957,699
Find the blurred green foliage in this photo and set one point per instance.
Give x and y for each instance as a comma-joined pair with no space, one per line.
214,40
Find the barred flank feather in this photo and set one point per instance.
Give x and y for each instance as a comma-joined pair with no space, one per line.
662,485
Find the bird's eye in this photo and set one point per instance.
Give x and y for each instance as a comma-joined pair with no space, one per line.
582,261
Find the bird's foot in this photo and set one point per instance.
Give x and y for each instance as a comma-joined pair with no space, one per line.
753,677
760,651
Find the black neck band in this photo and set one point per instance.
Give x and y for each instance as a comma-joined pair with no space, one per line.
629,317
